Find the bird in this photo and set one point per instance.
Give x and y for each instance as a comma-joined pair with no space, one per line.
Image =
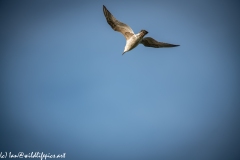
132,39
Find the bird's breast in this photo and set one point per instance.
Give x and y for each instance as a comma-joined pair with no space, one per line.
132,42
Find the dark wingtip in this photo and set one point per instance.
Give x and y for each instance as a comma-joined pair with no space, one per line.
104,8
175,45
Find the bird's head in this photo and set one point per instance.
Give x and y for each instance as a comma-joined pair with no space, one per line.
144,32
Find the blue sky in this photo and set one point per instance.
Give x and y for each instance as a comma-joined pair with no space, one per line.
66,88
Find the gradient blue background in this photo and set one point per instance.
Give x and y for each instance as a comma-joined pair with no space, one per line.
65,87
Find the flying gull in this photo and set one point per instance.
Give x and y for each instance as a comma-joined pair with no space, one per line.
132,40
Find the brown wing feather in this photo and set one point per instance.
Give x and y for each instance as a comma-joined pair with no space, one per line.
150,42
117,25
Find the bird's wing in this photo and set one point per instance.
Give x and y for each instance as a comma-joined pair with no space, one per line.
150,42
117,25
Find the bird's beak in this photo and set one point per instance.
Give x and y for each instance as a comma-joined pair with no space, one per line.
123,53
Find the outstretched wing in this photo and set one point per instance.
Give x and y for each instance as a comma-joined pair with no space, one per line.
150,42
117,25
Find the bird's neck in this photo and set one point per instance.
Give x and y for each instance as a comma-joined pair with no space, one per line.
142,33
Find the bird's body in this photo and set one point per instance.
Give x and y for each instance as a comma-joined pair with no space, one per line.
132,40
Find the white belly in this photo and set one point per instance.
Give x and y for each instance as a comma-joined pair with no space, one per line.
132,43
